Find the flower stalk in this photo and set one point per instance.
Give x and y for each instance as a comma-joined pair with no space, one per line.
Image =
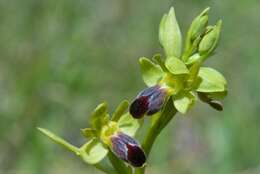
155,129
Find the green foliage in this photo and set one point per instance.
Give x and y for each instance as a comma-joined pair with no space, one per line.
172,83
93,151
211,81
59,140
170,35
120,110
184,101
60,58
99,117
210,40
128,124
151,73
176,66
97,148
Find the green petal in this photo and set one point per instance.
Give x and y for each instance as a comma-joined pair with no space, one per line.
93,151
211,81
176,66
184,101
160,62
151,73
59,140
128,124
88,132
120,110
99,117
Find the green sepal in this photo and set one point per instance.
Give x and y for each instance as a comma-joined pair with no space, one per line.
151,72
212,99
160,62
217,95
161,29
59,140
184,101
211,80
99,117
170,35
128,124
120,110
176,66
88,132
93,151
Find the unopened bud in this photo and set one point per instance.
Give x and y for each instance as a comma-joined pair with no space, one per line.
198,25
210,40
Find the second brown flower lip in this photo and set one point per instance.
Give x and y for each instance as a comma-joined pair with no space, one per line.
149,101
128,149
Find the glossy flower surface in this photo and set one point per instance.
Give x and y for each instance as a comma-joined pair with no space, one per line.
148,102
128,149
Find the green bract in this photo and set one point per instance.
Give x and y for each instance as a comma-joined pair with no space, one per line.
96,149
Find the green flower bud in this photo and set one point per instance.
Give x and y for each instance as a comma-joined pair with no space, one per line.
198,25
210,40
170,35
195,33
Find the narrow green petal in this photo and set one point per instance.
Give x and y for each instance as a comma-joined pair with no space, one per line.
59,140
88,132
99,117
120,110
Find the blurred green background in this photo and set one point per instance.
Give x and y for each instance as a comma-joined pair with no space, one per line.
60,58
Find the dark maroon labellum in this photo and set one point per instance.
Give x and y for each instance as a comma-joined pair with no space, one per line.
139,107
217,105
149,101
128,149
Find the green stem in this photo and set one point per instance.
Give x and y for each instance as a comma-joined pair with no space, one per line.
105,168
119,166
155,129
